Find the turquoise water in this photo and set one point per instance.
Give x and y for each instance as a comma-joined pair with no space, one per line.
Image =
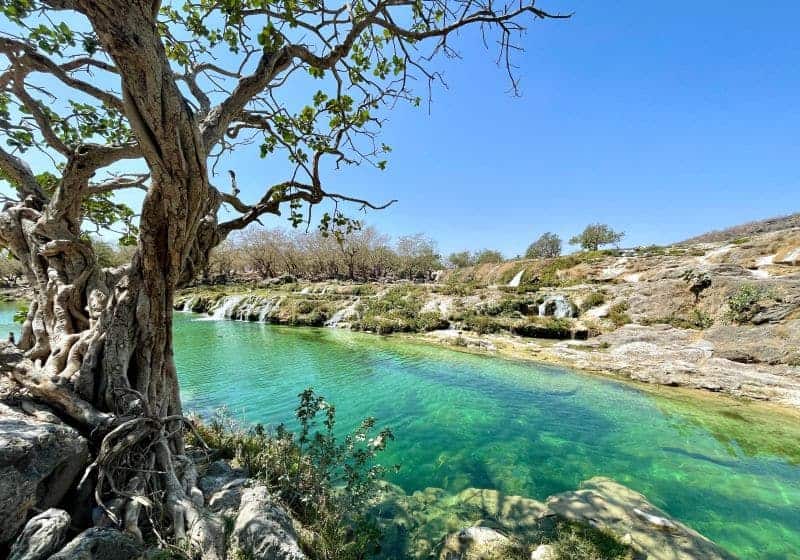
729,470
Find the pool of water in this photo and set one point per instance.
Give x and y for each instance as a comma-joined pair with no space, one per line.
730,470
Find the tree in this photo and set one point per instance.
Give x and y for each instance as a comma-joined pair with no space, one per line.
595,235
461,259
546,247
488,256
11,270
417,257
100,86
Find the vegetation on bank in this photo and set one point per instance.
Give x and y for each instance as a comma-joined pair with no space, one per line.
334,486
327,483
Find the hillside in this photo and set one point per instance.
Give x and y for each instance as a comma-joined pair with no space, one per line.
778,223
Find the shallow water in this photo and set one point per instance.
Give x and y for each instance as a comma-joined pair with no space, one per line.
729,470
463,420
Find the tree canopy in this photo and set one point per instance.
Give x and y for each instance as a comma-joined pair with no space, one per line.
103,96
547,246
596,235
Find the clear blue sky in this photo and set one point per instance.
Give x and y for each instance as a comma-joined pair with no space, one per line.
664,120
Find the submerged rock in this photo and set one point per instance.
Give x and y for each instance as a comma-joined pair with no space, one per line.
609,506
39,461
476,543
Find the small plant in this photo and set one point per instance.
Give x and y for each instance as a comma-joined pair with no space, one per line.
618,315
326,482
743,303
593,300
21,313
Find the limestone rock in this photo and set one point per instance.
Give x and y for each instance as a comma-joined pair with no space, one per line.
228,498
217,475
607,505
101,544
476,543
263,529
42,536
39,461
544,552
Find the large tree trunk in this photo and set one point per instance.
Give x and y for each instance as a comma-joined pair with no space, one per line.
99,341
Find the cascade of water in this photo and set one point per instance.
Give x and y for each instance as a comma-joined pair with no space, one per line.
225,309
342,314
558,306
267,307
514,283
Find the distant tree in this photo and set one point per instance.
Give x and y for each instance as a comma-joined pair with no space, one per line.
546,247
486,256
461,259
108,255
11,269
417,256
595,235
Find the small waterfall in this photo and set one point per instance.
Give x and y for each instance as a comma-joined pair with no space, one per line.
343,314
187,305
514,283
249,308
558,306
267,307
225,309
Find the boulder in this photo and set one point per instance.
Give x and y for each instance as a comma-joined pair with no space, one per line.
476,543
608,506
217,475
42,536
39,461
263,529
101,544
544,552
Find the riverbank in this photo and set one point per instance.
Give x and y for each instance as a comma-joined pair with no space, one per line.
716,318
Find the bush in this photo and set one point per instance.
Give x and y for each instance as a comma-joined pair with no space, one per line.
21,314
593,300
743,303
547,328
483,324
618,315
697,320
326,483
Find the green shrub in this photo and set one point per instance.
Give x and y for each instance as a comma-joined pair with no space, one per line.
483,324
697,320
743,303
618,315
21,313
545,328
593,300
508,306
325,482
